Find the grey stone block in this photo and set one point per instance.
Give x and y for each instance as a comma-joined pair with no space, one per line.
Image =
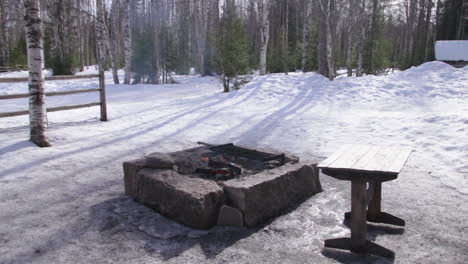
230,216
194,202
131,179
158,160
272,192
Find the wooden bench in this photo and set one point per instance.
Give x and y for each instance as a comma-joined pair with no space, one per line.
363,165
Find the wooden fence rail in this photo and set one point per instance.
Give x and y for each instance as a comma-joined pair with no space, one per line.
101,90
13,68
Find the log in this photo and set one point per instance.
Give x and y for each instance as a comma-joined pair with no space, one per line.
53,109
18,96
51,78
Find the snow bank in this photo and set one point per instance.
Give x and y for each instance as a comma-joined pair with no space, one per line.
429,68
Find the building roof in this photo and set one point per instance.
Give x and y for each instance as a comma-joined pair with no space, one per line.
451,50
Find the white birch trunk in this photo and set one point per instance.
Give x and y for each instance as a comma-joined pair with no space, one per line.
127,43
326,11
3,35
37,106
263,14
112,45
201,25
361,39
103,40
80,35
305,33
101,47
349,40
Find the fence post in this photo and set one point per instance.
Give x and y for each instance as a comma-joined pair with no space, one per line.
102,95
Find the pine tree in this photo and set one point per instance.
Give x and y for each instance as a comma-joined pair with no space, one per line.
233,45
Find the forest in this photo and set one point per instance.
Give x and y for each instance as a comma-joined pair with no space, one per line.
155,39
233,131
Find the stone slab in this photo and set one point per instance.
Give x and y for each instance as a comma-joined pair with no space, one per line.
194,202
131,177
272,192
230,216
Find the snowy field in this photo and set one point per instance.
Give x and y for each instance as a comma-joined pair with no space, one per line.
65,204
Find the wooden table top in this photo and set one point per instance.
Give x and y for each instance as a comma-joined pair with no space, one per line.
365,159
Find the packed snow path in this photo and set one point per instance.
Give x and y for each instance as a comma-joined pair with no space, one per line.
65,204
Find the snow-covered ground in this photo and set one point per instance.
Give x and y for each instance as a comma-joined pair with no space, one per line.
65,204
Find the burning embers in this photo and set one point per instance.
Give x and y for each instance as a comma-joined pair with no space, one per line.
224,184
218,170
225,162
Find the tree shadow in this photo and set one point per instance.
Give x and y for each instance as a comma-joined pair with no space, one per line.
113,140
16,146
122,219
161,236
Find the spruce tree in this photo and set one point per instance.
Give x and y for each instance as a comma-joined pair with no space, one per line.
233,45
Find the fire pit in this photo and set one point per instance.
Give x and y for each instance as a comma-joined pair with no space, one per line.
223,184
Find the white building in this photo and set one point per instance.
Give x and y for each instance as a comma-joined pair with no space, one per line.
454,52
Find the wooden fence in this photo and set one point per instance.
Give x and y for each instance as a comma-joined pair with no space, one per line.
13,68
101,90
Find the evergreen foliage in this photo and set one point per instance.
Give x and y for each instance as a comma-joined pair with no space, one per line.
232,45
18,54
144,58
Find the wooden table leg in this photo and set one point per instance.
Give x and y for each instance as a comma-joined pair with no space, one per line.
374,213
375,202
358,242
358,216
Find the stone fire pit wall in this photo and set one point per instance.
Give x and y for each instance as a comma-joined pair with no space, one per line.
155,181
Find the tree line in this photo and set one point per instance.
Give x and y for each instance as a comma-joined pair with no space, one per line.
153,39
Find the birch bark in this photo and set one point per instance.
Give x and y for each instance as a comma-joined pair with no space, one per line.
37,106
112,45
99,24
104,41
263,14
305,33
361,39
3,35
327,13
127,42
349,40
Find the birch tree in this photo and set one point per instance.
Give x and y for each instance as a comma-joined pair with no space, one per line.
4,52
127,39
349,39
326,10
362,36
108,36
263,7
103,41
37,106
201,24
101,46
305,32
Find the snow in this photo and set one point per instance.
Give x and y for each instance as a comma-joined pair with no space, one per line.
65,204
451,50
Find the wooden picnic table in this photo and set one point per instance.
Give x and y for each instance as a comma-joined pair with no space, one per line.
365,165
